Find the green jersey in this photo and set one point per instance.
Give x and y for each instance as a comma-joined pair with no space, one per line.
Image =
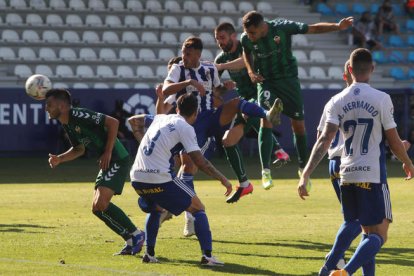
245,88
88,128
272,54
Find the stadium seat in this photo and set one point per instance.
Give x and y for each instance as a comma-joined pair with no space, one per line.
335,72
47,54
395,41
107,54
397,9
189,22
144,71
207,38
30,35
22,71
87,54
184,36
317,72
110,37
44,70
208,22
398,73
134,5
165,54
411,57
77,5
153,6
151,21
227,7
124,71
411,73
264,7
54,20
149,37
170,21
100,85
409,25
116,5
168,38
127,54
396,57
410,40
90,37
209,6
226,19
141,85
7,53
18,4
379,57
300,40
13,19
50,36
172,6
302,74
104,71
67,54
3,4
80,85
245,6
358,8
57,4
93,20
374,8
129,37
336,86
317,55
207,55
60,85
146,54
342,9
324,9
316,86
64,71
34,19
190,6
74,20
9,35
132,21
26,53
84,71
300,55
121,85
161,72
37,4
70,36
112,21
96,5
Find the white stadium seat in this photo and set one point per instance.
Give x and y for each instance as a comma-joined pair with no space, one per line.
302,74
153,6
144,71
116,5
300,55
13,19
113,21
184,36
207,55
50,36
30,35
93,20
172,6
226,19
316,86
84,71
64,71
26,53
170,21
124,71
54,20
121,85
18,4
57,4
110,37
70,36
3,4
44,70
129,37
134,5
37,4
96,5
107,54
335,86
34,19
165,54
73,20
104,71
335,72
207,38
127,54
146,54
80,85
161,71
208,22
47,54
189,22
67,54
100,85
168,38
317,72
77,5
151,21
227,7
22,71
299,40
190,6
317,55
60,85
7,53
245,6
90,37
87,54
141,85
132,21
209,6
10,35
149,37
264,7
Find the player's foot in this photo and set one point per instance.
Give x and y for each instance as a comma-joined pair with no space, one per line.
341,263
309,184
281,158
189,227
210,261
340,272
137,243
241,191
126,250
165,215
267,181
149,259
273,115
324,271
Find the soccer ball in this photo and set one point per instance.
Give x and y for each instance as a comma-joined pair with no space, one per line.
37,86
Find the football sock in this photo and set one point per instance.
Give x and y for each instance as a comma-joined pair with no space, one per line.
251,109
253,122
364,253
120,217
152,223
113,225
346,234
300,143
265,146
203,233
244,183
368,269
235,158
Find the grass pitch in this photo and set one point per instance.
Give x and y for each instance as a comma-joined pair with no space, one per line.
46,226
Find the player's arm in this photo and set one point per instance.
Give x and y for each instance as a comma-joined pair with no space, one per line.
170,87
318,152
161,107
69,155
206,166
236,64
398,149
137,123
248,61
325,27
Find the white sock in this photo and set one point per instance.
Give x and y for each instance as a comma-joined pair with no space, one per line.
136,232
129,241
188,216
265,171
244,184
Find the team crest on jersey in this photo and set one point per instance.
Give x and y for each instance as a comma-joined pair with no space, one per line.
276,39
357,91
77,129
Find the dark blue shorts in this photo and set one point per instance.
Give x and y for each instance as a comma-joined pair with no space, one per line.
370,203
174,196
334,164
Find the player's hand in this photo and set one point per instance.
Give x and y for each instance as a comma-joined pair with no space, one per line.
219,66
409,171
104,160
256,78
158,91
229,188
199,87
54,160
345,23
229,85
302,191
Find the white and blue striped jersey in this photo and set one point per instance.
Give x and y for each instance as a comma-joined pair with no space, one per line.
166,136
205,74
362,114
337,145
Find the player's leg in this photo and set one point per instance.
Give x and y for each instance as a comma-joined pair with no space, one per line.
300,141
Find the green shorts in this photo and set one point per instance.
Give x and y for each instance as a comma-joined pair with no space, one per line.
114,177
288,90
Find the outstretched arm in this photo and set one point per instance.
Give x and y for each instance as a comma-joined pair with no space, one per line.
69,155
137,123
325,27
236,64
170,87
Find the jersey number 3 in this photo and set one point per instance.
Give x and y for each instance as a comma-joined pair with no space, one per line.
148,149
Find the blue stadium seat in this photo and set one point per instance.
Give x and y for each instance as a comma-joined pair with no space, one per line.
398,73
342,9
409,25
374,8
397,9
358,8
411,73
324,9
410,57
395,41
396,57
410,41
379,57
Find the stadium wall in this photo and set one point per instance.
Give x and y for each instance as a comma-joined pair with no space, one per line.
26,130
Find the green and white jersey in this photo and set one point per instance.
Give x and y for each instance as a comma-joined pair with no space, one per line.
272,54
88,128
245,88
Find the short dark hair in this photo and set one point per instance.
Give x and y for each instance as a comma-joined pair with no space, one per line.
193,43
225,27
60,94
187,104
361,61
252,18
174,60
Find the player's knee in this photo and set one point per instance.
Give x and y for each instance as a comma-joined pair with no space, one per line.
146,206
100,205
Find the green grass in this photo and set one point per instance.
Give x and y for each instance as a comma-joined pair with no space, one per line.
267,233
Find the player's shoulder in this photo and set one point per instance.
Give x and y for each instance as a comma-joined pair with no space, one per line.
80,112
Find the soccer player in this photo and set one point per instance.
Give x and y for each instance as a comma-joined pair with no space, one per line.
97,131
270,64
364,116
226,38
153,176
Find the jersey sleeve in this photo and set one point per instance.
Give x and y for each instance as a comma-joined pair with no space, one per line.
332,115
387,113
188,138
173,74
293,27
246,44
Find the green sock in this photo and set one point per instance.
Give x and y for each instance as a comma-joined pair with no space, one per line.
235,159
265,146
255,124
300,142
